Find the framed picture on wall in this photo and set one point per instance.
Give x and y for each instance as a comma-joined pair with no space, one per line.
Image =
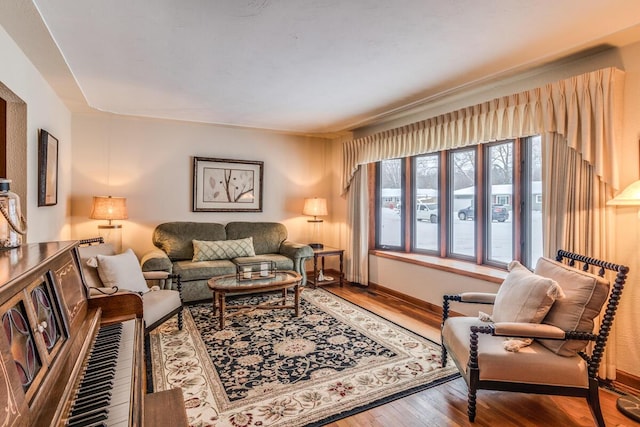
223,185
47,169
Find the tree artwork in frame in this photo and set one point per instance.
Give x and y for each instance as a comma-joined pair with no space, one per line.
47,169
223,185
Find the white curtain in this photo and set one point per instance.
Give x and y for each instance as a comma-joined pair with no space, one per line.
357,251
575,214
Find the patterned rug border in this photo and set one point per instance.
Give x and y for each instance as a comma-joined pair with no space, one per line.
390,398
344,411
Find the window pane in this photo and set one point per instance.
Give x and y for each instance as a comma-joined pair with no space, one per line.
462,170
535,207
500,192
391,201
426,176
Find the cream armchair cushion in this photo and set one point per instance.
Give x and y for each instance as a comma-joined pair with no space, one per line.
524,296
121,271
585,295
156,304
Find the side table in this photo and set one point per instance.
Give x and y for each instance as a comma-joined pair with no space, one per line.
321,253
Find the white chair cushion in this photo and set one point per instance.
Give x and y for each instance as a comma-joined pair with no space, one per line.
534,364
123,271
156,304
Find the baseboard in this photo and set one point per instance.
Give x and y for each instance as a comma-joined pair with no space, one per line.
627,382
624,381
434,309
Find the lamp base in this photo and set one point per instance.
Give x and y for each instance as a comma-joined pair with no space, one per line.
316,245
112,234
630,406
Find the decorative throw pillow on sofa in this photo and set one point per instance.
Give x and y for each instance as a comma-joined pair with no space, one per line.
585,295
122,271
222,249
524,297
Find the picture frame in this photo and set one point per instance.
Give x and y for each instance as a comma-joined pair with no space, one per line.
225,185
47,169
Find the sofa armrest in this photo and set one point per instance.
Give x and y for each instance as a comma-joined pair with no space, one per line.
299,253
156,260
295,250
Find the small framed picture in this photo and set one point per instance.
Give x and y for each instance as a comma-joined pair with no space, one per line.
47,169
223,185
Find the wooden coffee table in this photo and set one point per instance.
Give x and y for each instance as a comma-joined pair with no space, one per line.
231,284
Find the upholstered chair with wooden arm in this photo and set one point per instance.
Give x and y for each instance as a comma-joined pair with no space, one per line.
539,337
108,273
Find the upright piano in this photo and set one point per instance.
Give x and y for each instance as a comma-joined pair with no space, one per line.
69,360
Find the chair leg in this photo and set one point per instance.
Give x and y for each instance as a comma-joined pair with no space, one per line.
471,408
180,319
443,362
147,354
594,402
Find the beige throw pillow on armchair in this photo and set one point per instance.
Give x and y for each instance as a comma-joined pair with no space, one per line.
524,297
122,271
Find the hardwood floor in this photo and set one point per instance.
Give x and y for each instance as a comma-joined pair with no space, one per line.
446,404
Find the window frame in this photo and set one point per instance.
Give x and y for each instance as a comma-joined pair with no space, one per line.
520,207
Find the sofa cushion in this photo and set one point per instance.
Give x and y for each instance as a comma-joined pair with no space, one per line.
175,238
267,236
282,262
524,296
222,249
122,271
585,295
203,270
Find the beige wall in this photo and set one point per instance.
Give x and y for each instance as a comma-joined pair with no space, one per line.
429,285
149,162
44,110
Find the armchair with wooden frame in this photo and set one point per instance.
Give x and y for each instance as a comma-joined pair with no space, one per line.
564,354
156,305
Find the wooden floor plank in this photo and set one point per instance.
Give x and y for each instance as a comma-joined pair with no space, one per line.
446,404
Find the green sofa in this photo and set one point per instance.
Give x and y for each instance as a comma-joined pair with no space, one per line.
175,252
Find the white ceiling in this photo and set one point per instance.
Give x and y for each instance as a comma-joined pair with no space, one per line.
310,66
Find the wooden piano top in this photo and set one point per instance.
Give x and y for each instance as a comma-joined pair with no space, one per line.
16,263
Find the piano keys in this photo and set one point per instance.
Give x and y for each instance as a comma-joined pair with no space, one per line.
104,395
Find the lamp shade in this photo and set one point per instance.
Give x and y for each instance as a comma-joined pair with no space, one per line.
107,207
630,196
315,207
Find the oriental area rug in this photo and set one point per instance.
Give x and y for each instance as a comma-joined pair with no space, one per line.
270,368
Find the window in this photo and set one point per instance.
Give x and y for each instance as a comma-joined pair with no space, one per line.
390,212
499,168
462,175
481,204
426,178
532,201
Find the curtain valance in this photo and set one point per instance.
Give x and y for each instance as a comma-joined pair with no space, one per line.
584,109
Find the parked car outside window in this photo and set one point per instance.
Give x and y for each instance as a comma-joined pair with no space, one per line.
424,211
498,213
427,212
